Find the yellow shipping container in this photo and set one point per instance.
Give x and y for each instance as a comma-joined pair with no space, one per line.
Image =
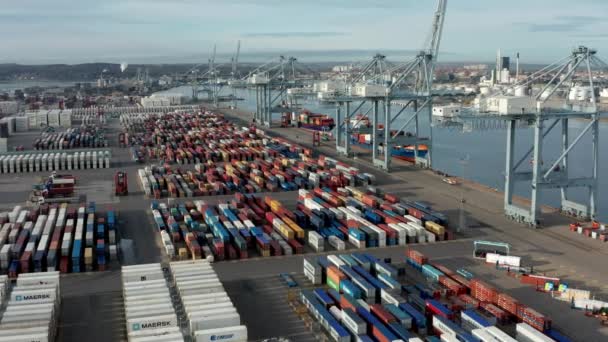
435,228
183,253
286,231
300,233
88,256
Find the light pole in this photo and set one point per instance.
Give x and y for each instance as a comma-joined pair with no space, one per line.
462,218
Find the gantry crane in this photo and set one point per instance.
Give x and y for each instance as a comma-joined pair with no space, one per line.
542,101
411,81
277,75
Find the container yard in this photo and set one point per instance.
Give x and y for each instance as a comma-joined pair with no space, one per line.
57,237
322,219
257,198
358,295
244,160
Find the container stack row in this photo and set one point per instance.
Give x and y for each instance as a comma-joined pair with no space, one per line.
323,219
209,310
595,231
149,310
197,230
51,118
57,237
478,294
32,307
87,136
363,298
54,161
78,113
264,175
365,218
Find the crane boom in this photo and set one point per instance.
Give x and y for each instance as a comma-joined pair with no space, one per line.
235,59
438,21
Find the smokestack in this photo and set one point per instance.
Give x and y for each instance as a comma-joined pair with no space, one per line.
517,68
498,66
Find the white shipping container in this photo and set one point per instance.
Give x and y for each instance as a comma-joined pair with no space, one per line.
228,334
171,337
151,323
36,337
214,321
525,332
154,332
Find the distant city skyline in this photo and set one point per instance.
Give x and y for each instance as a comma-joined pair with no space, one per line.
184,31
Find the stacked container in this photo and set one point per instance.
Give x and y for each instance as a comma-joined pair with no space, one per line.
53,161
57,237
32,311
149,309
207,305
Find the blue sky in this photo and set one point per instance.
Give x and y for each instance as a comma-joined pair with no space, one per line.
75,31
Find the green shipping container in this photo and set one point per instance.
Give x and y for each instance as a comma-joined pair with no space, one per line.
332,284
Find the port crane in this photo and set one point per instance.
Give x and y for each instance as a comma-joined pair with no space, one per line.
542,101
278,75
411,82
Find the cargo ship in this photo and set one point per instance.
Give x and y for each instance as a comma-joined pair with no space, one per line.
315,122
406,152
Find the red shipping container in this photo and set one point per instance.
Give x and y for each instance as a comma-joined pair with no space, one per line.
483,291
454,288
500,314
383,315
507,303
416,256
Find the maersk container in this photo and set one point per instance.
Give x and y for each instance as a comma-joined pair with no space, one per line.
39,295
228,334
350,289
152,322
